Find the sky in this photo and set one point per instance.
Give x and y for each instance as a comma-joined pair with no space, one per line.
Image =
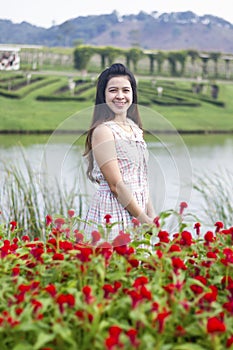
46,13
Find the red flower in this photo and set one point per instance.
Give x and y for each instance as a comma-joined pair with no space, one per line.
135,222
197,228
59,222
13,225
71,213
87,292
48,220
183,205
156,221
140,281
161,318
178,263
58,256
229,342
15,271
218,225
132,334
215,325
84,254
121,240
107,218
51,289
163,236
96,236
209,237
186,238
65,299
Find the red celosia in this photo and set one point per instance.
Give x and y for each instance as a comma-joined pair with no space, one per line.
13,225
178,264
63,299
51,289
87,293
96,236
186,238
85,253
156,221
135,222
58,256
140,281
71,213
219,225
183,205
48,220
163,237
59,222
214,325
161,318
132,334
107,218
229,342
197,228
121,240
209,237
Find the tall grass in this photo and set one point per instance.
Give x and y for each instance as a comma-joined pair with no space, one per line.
216,190
27,197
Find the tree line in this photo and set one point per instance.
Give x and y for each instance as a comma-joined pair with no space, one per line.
176,59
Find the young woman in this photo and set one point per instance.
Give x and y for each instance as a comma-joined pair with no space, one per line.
117,155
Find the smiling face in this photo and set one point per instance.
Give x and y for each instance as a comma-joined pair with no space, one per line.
119,94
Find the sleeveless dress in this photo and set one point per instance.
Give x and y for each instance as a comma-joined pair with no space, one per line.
132,156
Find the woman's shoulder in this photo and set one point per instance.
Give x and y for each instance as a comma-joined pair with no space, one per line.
102,132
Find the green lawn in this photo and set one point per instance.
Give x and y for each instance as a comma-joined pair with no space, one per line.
29,113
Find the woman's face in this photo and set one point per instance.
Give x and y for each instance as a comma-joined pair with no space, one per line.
119,94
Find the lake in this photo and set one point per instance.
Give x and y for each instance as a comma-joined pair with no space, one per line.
175,163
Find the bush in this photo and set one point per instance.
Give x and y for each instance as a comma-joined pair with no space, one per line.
165,291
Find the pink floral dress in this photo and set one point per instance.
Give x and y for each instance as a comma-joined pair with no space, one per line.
132,155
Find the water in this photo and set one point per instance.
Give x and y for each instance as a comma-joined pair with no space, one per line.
175,163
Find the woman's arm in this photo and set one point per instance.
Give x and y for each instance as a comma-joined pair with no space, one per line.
104,150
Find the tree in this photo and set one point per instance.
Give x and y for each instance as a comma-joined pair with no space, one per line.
134,55
82,56
194,55
215,56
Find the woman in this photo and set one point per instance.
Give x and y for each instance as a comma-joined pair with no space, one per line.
117,155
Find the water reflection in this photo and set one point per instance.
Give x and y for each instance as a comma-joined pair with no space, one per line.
174,163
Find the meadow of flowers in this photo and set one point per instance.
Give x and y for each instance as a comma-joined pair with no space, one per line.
59,291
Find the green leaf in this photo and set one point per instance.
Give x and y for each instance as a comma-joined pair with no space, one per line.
188,346
23,346
43,339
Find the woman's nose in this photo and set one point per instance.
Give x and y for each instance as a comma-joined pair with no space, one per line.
119,94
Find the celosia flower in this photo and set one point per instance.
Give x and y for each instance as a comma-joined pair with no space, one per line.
132,334
183,205
59,222
87,293
71,213
177,264
13,225
156,221
135,222
214,325
107,218
209,237
219,225
163,237
96,236
197,228
58,256
48,220
51,289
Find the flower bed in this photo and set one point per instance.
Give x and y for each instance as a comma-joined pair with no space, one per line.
61,292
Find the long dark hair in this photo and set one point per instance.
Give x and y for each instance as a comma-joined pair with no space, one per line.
103,113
